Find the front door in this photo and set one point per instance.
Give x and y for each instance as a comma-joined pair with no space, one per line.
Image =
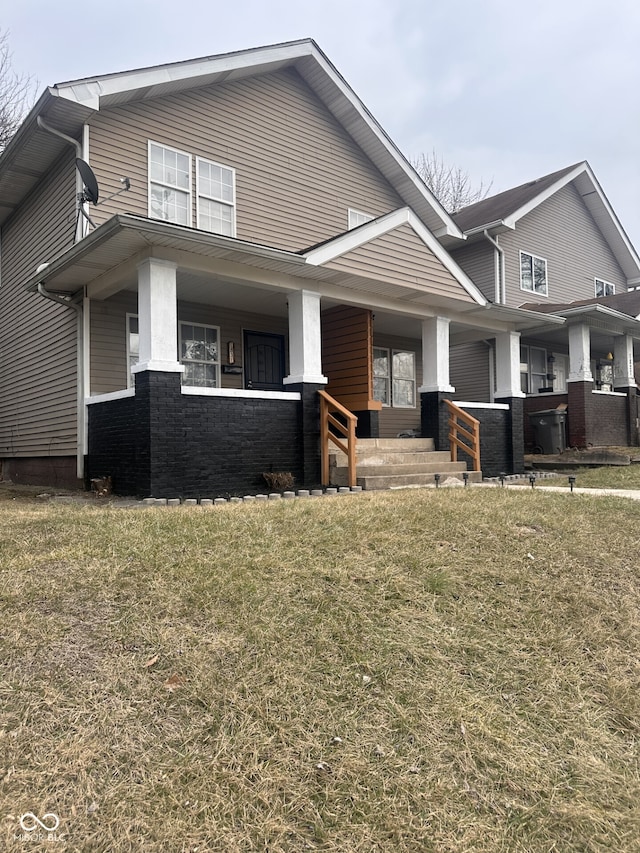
263,361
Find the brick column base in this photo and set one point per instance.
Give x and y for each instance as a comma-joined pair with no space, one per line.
434,418
515,434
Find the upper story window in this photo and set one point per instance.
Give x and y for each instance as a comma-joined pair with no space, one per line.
533,274
604,288
357,217
200,354
216,197
169,184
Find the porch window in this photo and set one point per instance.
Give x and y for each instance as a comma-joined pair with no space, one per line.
394,377
133,347
357,217
200,354
604,288
533,274
381,376
403,369
533,369
216,197
169,184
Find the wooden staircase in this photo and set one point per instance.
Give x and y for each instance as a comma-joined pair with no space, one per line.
387,463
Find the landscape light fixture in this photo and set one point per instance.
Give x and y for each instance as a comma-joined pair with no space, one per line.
532,480
436,477
572,481
465,477
503,477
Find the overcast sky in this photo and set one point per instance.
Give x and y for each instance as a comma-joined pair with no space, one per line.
507,90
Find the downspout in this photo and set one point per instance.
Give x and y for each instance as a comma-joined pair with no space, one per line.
501,286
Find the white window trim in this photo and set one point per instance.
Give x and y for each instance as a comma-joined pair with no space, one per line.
390,378
200,195
188,192
217,364
606,284
356,218
403,379
546,274
528,372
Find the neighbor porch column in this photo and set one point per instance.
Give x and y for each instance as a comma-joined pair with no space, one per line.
624,380
623,375
509,391
436,386
508,365
580,354
579,386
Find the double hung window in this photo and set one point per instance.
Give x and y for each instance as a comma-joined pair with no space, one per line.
216,197
169,184
394,377
200,354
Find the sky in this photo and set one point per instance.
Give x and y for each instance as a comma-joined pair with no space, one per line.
505,90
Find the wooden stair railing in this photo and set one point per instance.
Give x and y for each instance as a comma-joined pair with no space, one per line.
328,405
469,430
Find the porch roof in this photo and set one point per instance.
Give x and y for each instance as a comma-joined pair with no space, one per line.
106,262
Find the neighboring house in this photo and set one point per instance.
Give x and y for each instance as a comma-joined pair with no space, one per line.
273,243
555,246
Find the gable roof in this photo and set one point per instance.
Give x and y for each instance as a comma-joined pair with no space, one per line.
425,252
504,210
67,106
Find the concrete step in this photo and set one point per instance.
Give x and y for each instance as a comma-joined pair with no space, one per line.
397,445
340,476
400,481
377,457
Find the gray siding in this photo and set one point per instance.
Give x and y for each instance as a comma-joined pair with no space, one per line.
109,346
297,171
38,372
469,369
478,261
562,231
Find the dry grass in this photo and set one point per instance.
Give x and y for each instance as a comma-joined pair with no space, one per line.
451,670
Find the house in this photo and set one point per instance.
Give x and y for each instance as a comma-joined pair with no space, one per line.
191,252
555,246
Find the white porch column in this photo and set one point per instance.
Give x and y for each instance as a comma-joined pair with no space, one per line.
435,356
580,354
623,363
508,366
157,317
305,339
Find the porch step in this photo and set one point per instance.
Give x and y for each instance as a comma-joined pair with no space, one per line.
386,463
405,481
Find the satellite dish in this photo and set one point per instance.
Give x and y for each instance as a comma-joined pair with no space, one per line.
91,191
